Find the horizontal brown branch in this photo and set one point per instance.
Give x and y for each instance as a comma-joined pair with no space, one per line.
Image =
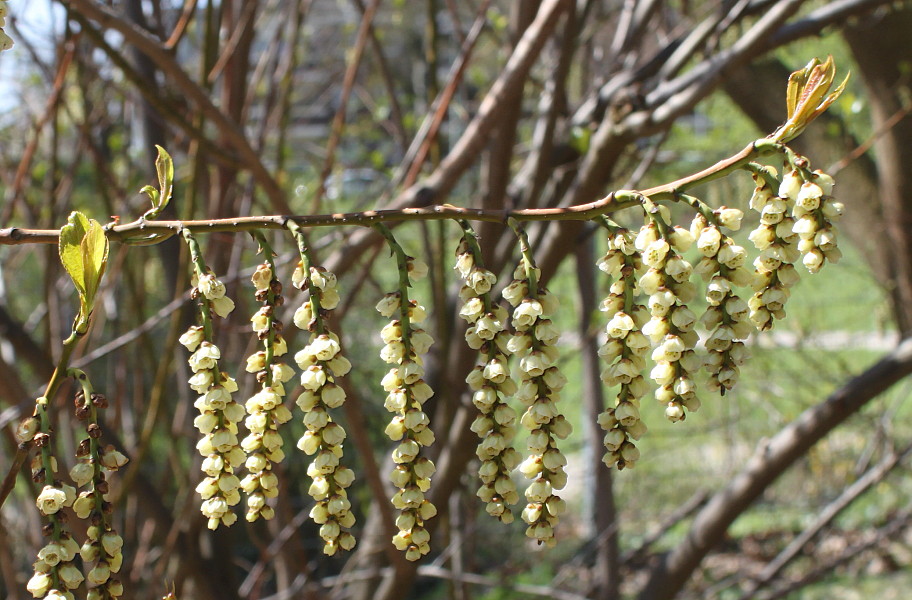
142,232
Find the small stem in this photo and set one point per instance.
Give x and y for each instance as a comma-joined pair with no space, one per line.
528,259
316,294
471,239
404,302
270,301
701,207
199,265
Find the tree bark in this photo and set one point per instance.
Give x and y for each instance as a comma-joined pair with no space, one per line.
880,44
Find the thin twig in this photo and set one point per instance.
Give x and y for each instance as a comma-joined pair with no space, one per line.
826,516
142,232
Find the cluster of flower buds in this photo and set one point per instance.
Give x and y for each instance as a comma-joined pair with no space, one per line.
55,563
404,345
6,42
55,573
322,363
671,325
814,211
539,390
774,237
490,383
103,546
624,350
219,413
265,409
726,318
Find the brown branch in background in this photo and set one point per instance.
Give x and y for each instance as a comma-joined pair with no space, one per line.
386,75
234,42
824,517
162,104
863,147
418,150
338,122
25,163
771,460
602,514
879,536
168,64
681,512
180,28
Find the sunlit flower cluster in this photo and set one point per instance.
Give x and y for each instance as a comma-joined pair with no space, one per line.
219,413
726,317
774,273
103,546
322,364
6,42
539,390
404,345
491,384
624,350
265,409
671,325
54,571
814,211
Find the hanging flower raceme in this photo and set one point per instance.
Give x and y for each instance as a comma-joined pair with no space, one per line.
489,381
625,349
54,571
774,237
265,409
6,42
539,390
814,211
726,318
671,325
404,346
219,412
323,364
104,544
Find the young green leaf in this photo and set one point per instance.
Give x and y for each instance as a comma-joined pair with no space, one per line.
84,254
70,249
164,166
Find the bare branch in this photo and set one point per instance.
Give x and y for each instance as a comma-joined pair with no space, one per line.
770,460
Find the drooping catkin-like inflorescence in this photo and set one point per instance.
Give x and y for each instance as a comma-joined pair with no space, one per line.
104,544
814,211
774,273
726,317
323,364
6,42
54,572
625,349
671,325
489,381
265,409
404,346
539,390
219,412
